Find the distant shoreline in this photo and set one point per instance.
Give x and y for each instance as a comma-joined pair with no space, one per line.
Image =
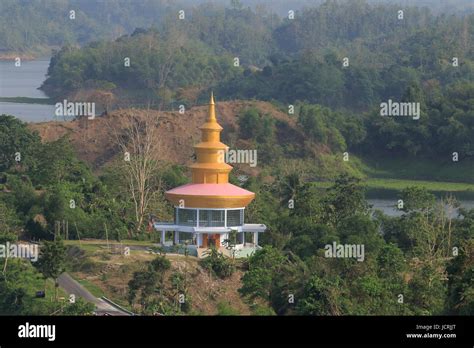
37,53
27,100
12,56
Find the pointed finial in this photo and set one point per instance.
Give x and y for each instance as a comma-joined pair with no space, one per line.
212,109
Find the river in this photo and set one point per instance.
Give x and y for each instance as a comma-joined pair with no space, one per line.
389,206
24,81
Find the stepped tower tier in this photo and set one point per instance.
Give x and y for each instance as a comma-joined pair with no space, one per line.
210,187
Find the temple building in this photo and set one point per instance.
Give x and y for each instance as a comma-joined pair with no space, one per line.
206,210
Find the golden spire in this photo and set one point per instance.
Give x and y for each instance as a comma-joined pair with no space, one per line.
212,110
210,166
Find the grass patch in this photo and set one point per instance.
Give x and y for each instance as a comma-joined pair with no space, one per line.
400,184
381,188
387,188
90,286
224,308
420,169
102,242
262,310
137,242
90,248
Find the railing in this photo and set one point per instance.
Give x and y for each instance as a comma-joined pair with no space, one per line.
119,307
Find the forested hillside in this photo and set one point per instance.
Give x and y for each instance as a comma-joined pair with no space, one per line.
49,24
424,255
348,70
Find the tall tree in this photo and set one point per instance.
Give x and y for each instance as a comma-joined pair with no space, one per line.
52,261
140,147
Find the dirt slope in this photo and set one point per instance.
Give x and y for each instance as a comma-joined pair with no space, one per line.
92,139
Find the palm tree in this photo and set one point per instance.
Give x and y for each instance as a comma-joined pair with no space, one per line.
230,243
290,186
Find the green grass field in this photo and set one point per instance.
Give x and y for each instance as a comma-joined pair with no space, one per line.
441,171
93,289
436,186
379,187
93,242
388,176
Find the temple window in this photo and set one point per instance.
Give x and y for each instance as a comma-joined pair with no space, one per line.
186,217
211,218
235,217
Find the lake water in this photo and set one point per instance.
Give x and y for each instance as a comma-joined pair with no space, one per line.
24,81
389,206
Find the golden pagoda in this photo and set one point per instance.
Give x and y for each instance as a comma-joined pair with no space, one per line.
208,208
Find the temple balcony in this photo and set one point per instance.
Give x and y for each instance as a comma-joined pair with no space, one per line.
170,226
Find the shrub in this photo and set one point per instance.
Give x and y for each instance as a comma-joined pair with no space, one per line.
218,263
224,308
